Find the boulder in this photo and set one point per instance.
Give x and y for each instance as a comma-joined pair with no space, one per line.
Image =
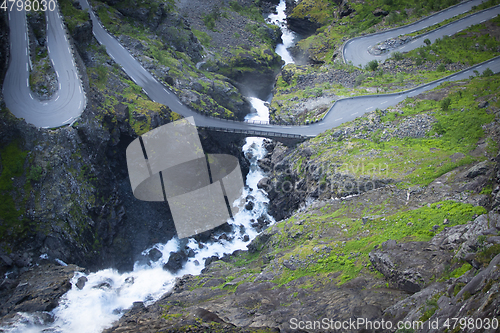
409,266
380,12
175,261
39,289
478,169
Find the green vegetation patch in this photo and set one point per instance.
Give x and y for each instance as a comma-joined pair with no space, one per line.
252,12
470,46
203,37
72,15
355,240
416,161
484,257
12,203
320,11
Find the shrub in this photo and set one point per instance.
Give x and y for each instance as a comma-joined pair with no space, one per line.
210,19
447,61
359,79
441,68
445,103
35,173
397,55
427,41
372,65
487,72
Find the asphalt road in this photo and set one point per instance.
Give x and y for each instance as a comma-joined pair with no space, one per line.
69,101
66,105
343,110
356,49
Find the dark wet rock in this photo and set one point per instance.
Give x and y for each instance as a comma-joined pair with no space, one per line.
302,26
265,164
264,183
380,12
80,283
210,260
249,205
154,254
38,289
175,261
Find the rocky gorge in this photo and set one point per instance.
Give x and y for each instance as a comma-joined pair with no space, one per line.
392,216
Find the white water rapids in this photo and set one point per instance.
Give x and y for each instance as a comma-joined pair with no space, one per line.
108,294
288,37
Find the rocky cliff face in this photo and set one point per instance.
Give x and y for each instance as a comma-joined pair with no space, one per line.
4,46
65,192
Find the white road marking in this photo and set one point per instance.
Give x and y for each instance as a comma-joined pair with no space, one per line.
371,107
482,21
480,66
26,67
352,114
413,42
59,85
413,31
57,98
31,96
338,119
80,104
68,120
384,102
57,74
80,88
179,102
27,83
